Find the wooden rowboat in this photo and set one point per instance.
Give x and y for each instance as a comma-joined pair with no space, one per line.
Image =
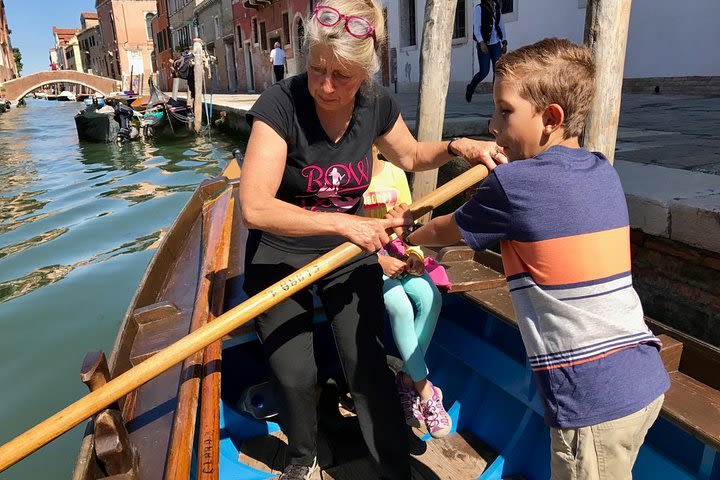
476,355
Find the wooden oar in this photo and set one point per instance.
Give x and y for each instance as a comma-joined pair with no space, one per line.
209,436
217,227
217,219
73,414
209,431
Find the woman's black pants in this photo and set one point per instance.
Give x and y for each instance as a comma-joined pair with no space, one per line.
353,303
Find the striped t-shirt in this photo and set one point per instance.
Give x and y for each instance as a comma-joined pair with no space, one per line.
562,223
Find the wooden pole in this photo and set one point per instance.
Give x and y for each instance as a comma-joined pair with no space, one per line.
49,429
209,436
606,31
199,75
209,432
217,220
435,56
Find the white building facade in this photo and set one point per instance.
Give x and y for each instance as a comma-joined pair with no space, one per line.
666,38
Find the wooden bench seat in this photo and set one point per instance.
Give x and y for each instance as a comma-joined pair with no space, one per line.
689,403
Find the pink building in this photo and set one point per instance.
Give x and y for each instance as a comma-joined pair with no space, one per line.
8,69
163,46
126,29
258,25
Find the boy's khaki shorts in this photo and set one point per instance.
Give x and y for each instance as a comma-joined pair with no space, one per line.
606,451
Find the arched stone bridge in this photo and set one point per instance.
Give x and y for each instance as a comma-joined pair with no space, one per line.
16,89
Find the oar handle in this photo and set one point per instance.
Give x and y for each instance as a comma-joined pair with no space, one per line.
49,429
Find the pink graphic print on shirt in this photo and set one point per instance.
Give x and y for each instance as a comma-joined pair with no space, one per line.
338,187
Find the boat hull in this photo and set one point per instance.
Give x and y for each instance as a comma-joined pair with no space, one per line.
96,127
489,390
476,356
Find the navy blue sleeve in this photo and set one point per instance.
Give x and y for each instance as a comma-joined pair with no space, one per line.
487,217
388,113
275,108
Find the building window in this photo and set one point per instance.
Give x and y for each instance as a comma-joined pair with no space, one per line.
509,10
239,36
216,22
255,31
148,25
286,28
263,37
300,31
459,23
408,27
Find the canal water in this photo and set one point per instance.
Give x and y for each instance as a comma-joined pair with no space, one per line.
79,223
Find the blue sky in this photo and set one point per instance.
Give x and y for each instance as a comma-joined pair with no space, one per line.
31,22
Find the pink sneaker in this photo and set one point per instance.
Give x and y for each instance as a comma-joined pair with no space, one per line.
410,402
437,420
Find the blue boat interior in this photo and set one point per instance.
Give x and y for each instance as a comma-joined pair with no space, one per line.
479,361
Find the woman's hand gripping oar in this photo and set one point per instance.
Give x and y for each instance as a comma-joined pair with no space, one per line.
46,431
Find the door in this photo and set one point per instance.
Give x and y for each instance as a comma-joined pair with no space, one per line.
249,68
230,66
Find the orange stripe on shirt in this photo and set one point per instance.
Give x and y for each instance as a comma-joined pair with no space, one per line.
584,360
573,259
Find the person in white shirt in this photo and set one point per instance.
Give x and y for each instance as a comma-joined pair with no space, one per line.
490,40
277,58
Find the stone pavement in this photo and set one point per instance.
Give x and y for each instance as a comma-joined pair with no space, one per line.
667,156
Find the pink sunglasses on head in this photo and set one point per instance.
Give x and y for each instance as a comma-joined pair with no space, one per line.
356,26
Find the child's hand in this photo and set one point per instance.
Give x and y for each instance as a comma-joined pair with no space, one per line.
414,266
391,266
400,211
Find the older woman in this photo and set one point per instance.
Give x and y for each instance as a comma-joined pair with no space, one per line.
306,167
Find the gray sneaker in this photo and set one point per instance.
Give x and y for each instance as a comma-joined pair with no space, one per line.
299,472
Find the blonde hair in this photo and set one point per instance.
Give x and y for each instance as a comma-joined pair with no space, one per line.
550,71
348,49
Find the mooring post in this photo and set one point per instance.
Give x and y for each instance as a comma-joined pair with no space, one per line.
198,55
435,56
606,32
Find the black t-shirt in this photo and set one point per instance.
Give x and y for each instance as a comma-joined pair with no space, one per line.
321,175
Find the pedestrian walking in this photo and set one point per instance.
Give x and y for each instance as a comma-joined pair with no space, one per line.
279,63
490,40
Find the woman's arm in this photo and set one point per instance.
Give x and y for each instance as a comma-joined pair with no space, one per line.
400,148
261,176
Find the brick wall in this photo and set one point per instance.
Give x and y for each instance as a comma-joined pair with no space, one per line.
678,284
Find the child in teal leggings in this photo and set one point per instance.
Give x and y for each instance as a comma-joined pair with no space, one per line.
412,302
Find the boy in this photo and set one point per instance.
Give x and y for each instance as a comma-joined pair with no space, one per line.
560,215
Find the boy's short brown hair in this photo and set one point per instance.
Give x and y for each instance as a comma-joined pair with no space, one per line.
553,70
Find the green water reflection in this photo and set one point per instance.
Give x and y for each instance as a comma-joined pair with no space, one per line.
78,225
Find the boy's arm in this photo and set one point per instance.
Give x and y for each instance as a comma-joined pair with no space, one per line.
438,232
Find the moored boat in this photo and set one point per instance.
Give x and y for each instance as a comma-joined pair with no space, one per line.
66,96
97,125
476,355
166,117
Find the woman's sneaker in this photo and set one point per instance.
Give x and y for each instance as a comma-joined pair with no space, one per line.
298,472
437,420
410,402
